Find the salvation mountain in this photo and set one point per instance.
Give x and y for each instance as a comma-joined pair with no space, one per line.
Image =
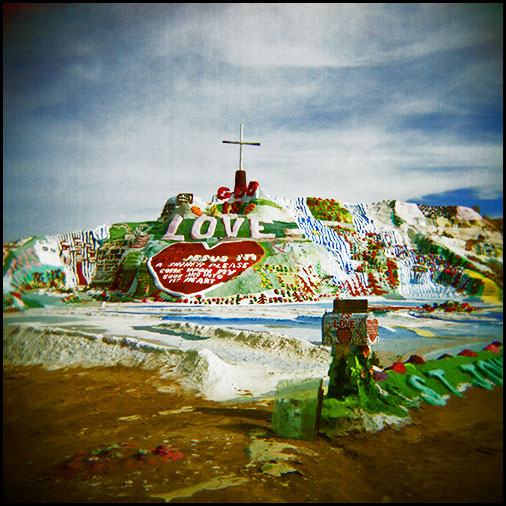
248,247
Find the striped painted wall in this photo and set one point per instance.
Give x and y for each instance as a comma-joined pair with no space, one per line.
78,252
412,283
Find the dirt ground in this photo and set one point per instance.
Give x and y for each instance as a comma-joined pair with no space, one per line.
91,435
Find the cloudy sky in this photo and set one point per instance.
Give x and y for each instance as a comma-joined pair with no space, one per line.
110,109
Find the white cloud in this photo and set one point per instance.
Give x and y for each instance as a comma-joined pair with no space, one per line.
372,165
491,191
133,104
322,34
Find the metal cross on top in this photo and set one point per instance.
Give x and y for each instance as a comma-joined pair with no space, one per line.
240,142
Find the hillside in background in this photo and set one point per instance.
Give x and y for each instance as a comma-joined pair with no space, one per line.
253,248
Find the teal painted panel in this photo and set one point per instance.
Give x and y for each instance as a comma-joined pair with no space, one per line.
297,407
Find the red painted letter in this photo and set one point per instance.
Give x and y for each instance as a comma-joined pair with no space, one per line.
240,190
224,193
252,188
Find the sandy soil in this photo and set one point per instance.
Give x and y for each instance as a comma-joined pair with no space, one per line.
59,426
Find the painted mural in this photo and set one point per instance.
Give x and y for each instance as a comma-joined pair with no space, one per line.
348,329
54,264
194,268
277,250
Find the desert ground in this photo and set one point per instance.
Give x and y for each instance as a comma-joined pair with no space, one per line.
92,415
88,435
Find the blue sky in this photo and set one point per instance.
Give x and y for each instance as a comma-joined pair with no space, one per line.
110,109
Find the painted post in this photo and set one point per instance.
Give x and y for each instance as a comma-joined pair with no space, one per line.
297,408
350,334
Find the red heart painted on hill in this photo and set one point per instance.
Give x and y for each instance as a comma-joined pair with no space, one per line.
191,268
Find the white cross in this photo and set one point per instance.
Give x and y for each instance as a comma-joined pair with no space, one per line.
240,142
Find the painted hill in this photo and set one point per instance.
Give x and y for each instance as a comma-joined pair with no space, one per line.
249,247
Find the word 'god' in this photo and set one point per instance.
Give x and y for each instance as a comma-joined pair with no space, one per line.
241,191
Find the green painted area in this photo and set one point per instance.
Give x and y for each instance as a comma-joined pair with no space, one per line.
157,230
32,302
453,374
296,410
257,203
432,382
119,230
328,210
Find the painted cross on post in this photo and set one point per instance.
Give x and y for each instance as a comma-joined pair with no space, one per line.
241,176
